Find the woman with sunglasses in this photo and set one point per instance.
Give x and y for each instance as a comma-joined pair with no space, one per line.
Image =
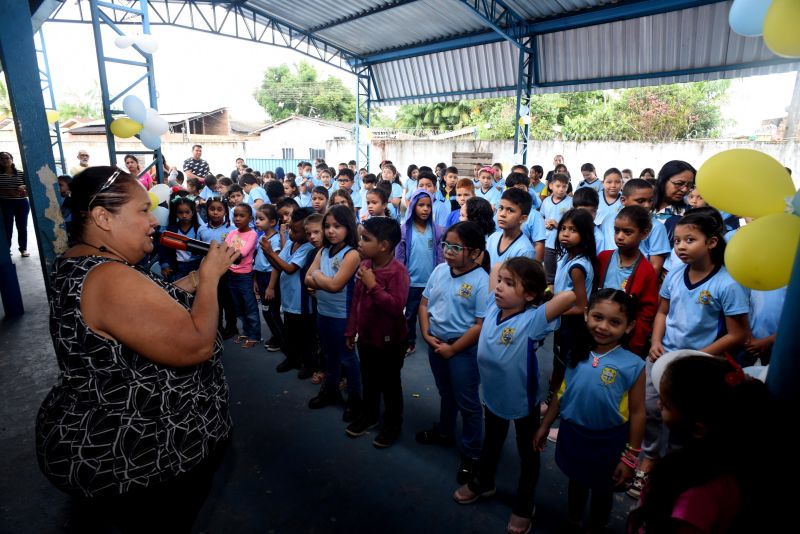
138,421
14,204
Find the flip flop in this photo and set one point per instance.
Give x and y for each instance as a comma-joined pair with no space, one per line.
239,339
249,343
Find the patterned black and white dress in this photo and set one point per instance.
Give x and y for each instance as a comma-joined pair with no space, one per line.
116,421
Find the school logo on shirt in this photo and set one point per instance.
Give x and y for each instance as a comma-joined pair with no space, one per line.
465,291
704,298
507,335
335,264
430,243
624,284
608,376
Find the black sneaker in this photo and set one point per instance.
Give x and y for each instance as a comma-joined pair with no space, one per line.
352,408
432,436
325,398
360,426
386,438
286,365
272,347
466,471
305,372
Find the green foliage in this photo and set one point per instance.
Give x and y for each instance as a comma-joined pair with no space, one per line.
661,113
286,91
86,105
5,103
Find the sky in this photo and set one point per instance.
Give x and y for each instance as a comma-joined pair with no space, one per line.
200,72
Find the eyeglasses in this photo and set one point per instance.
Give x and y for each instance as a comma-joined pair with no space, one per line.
343,181
109,183
682,185
455,249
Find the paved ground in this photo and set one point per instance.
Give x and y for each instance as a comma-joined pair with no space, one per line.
290,469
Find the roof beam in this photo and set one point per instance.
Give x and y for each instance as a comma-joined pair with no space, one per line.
591,17
499,17
354,16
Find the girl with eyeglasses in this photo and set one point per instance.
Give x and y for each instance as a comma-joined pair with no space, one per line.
450,316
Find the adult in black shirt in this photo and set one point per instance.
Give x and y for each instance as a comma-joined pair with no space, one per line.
196,167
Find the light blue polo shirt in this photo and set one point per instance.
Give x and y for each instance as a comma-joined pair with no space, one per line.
564,267
208,234
492,196
533,228
657,243
551,210
421,258
292,284
261,262
604,209
765,311
597,397
697,312
455,301
521,246
335,304
257,193
507,359
597,185
616,276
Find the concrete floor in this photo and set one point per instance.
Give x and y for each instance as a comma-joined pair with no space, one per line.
289,469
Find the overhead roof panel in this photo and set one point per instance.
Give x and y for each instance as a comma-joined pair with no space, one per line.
540,9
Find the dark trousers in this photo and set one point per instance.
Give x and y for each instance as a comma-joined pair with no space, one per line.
270,309
380,374
15,211
226,306
495,432
600,504
563,344
412,307
550,262
171,506
300,330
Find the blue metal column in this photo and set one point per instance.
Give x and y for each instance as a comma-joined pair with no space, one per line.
99,19
18,57
784,367
50,103
527,64
363,102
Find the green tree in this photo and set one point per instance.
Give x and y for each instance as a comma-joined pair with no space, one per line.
86,105
5,103
286,91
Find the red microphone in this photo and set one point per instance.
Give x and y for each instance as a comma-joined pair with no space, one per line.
181,242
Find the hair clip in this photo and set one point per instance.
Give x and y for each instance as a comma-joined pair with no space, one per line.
488,169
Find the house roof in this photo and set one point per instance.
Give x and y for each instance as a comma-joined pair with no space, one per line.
346,126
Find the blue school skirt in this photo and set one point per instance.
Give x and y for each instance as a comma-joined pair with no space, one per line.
590,456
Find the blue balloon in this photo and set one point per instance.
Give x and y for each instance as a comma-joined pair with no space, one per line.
149,140
747,17
796,204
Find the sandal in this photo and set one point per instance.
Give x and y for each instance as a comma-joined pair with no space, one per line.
249,343
24,253
519,525
318,377
464,495
239,339
636,487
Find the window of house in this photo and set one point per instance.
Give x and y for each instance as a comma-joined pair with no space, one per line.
288,153
315,153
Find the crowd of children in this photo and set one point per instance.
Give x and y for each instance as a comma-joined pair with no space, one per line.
622,270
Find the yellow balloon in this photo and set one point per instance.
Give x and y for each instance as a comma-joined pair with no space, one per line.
781,28
761,254
52,115
124,127
153,200
726,180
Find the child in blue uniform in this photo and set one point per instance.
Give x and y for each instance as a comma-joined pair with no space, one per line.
332,278
590,178
701,308
553,207
450,317
601,402
175,264
514,324
266,220
533,227
487,189
610,202
509,241
217,229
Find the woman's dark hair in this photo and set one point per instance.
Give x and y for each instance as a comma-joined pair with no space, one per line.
411,169
178,201
710,226
479,211
530,274
293,185
345,195
320,190
670,169
722,416
639,216
11,157
343,216
131,156
224,204
89,187
584,343
584,223
472,237
269,211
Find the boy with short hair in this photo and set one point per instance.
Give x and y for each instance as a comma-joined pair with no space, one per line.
590,178
533,228
465,190
319,199
256,194
345,181
587,198
509,241
447,194
655,247
553,207
376,317
367,183
627,175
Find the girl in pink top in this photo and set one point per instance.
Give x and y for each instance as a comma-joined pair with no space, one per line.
244,239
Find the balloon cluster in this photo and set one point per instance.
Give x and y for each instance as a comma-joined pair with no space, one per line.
777,20
147,43
524,115
159,202
761,254
140,120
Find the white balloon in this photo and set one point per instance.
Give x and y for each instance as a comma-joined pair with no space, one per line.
161,214
524,110
657,371
148,43
161,192
134,108
526,119
149,140
155,124
123,41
